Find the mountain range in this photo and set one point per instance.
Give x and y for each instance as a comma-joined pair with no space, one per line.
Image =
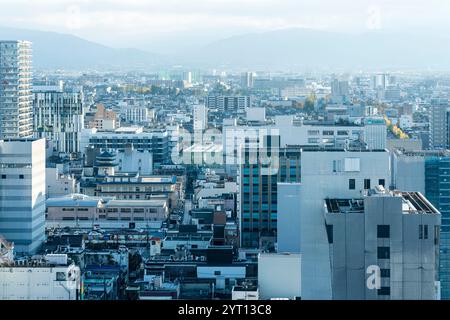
281,49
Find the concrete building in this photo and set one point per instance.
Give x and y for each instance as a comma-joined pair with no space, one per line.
273,282
16,103
429,173
200,117
85,211
22,193
392,235
49,278
104,119
156,141
59,184
229,104
59,116
438,117
324,174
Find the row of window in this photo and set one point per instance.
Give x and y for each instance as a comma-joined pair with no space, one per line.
352,183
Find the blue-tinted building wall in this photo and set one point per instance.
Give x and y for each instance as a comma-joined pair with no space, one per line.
437,191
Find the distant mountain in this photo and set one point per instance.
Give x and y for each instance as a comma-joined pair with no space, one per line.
275,50
306,48
56,50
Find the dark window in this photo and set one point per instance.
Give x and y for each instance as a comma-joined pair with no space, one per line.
3,176
21,176
383,253
217,273
351,184
381,182
385,273
366,184
383,231
425,231
330,233
384,291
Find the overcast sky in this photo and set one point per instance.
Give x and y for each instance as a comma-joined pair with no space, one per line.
161,25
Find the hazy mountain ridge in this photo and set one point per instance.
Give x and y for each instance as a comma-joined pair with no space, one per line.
281,49
56,50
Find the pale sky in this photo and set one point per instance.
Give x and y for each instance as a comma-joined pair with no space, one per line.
161,25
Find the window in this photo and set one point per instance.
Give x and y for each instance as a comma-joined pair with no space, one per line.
328,133
385,273
3,176
21,176
381,182
217,273
330,233
383,231
60,276
423,231
384,291
383,253
366,184
351,184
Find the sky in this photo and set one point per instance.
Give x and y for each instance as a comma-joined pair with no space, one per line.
169,25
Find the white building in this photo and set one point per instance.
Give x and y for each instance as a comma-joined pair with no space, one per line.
16,104
131,160
22,192
44,279
59,184
257,114
279,275
200,112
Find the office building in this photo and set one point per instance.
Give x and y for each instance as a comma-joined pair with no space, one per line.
429,173
334,173
391,235
22,193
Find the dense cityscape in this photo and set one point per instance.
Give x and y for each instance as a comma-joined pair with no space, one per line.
222,183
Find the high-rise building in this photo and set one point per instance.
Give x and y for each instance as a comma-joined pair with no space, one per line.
22,192
429,172
257,199
301,227
439,128
16,109
247,80
393,236
200,117
59,116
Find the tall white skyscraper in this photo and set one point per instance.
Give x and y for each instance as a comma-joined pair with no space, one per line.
22,193
16,109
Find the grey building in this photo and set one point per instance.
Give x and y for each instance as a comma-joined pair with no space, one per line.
392,235
438,117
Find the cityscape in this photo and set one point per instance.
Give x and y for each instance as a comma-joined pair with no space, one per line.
228,171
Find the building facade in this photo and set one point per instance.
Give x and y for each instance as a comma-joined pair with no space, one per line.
16,103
